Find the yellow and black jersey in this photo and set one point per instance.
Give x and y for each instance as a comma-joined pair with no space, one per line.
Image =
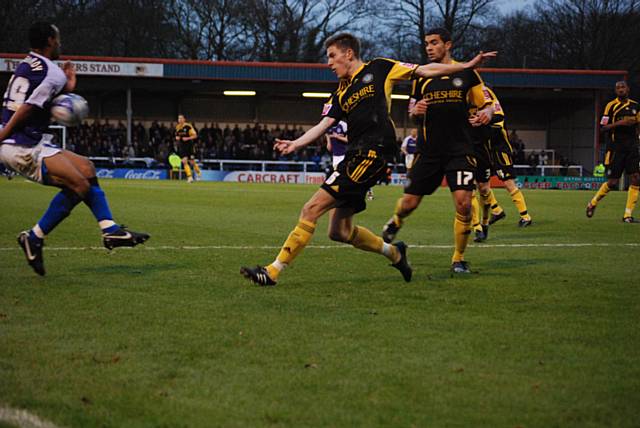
621,136
185,130
445,126
364,102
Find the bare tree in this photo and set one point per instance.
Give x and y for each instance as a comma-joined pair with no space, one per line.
294,30
407,20
592,34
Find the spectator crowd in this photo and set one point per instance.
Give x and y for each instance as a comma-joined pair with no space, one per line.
103,138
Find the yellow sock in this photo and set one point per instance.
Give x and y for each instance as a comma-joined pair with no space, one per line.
493,202
295,243
485,202
475,213
518,199
632,198
187,170
363,239
398,219
602,192
461,231
196,168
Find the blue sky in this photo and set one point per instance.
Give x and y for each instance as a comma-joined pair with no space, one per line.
507,6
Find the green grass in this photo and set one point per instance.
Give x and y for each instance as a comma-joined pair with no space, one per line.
540,336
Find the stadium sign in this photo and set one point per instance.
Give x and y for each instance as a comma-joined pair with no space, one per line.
275,177
132,174
563,183
271,177
99,68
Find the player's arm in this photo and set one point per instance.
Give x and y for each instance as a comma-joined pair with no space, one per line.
606,117
628,121
435,69
18,118
70,71
287,146
417,110
485,103
328,140
192,135
341,138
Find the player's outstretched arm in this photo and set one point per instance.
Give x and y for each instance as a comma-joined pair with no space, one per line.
435,69
286,146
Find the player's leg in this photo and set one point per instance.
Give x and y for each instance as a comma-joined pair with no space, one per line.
497,212
187,168
484,194
318,205
196,168
58,171
483,206
634,188
403,209
480,221
423,178
460,177
113,234
475,215
614,172
518,200
461,229
342,229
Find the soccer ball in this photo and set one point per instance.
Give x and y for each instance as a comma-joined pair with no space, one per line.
69,109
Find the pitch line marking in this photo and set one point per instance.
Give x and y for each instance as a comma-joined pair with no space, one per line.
23,418
328,247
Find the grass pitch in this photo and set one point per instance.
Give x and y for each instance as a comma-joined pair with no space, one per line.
169,334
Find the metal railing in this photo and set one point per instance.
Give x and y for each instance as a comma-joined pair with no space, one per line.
218,164
525,169
271,165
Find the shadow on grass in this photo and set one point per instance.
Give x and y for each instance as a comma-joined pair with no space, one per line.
127,269
485,269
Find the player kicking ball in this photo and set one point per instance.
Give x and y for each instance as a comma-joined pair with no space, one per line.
361,100
26,148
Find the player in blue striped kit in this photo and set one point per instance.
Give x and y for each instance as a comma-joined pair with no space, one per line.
27,148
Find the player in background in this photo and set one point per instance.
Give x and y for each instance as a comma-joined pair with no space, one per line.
25,147
445,143
409,147
363,100
186,136
336,138
495,156
620,121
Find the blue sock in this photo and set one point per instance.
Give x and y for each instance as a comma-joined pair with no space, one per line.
97,202
59,208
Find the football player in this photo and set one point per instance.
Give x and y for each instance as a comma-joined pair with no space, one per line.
26,147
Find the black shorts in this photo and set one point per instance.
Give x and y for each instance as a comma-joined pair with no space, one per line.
484,161
357,173
185,149
427,172
622,160
502,155
495,157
